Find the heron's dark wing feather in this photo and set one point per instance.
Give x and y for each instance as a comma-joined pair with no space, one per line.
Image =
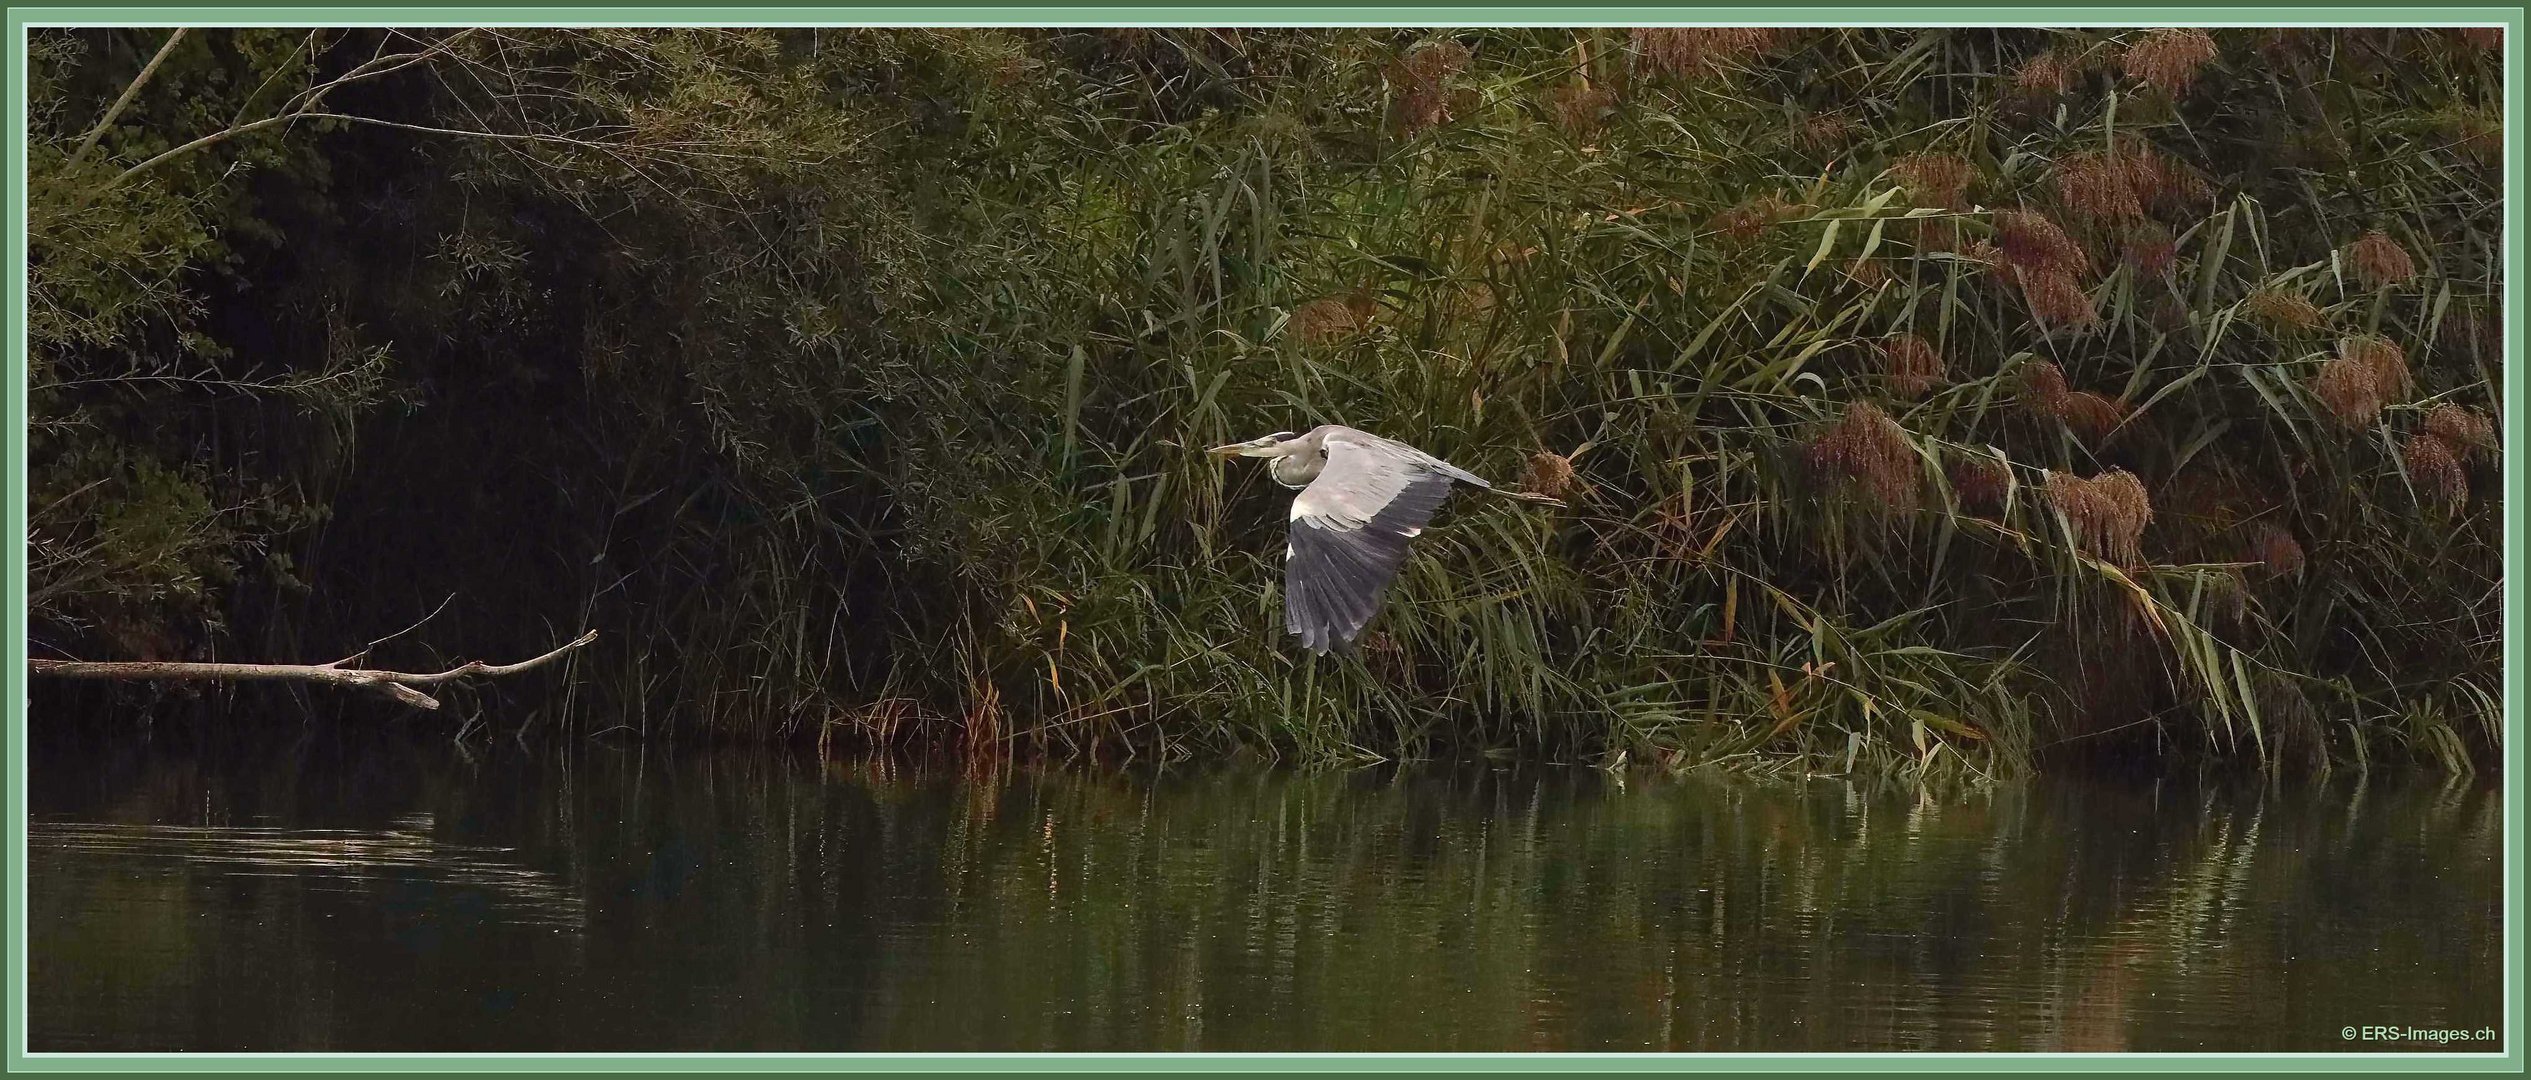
1349,535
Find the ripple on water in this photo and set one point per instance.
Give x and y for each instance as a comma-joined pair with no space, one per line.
406,853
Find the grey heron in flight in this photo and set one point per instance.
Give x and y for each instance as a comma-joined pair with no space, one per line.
1362,498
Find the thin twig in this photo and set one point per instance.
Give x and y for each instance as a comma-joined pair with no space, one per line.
363,654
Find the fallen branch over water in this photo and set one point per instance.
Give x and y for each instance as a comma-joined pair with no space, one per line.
396,684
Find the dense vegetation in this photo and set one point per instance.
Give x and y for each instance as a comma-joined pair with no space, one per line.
1937,399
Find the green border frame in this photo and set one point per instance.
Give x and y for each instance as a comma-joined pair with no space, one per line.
13,512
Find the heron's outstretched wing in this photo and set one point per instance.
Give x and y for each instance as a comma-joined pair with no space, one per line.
1349,532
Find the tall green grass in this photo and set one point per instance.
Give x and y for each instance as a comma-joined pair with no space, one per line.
1582,288
948,497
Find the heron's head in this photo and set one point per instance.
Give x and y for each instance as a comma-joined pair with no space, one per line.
1266,446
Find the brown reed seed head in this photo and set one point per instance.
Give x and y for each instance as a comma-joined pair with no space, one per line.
2091,417
1420,110
1420,81
2459,331
1549,474
2379,260
2127,497
2387,362
2085,509
2092,185
1577,108
2131,179
2489,38
2071,495
1434,62
2180,187
2434,469
2346,391
1828,130
2150,250
2043,388
2190,187
1939,234
1742,223
1868,448
2055,300
2047,73
2281,309
1332,318
1935,179
2107,513
1979,482
2161,185
2157,181
1748,219
2467,430
2276,551
2169,60
2136,161
2475,333
1912,364
1700,52
2034,244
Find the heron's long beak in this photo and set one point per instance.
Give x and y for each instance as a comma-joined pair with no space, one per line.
1237,449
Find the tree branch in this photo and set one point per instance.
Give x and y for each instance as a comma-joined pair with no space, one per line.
300,106
396,684
115,110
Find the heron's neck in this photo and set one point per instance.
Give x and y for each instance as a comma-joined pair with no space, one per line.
1297,470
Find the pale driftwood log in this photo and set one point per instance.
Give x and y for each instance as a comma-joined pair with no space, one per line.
396,684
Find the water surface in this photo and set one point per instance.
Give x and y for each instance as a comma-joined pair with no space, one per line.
224,892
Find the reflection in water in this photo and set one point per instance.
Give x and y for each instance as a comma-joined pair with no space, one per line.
404,896
327,859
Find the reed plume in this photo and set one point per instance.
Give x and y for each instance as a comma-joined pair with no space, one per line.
2169,60
1872,454
2379,260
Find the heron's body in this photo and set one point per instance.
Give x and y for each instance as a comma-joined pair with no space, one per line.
1362,498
